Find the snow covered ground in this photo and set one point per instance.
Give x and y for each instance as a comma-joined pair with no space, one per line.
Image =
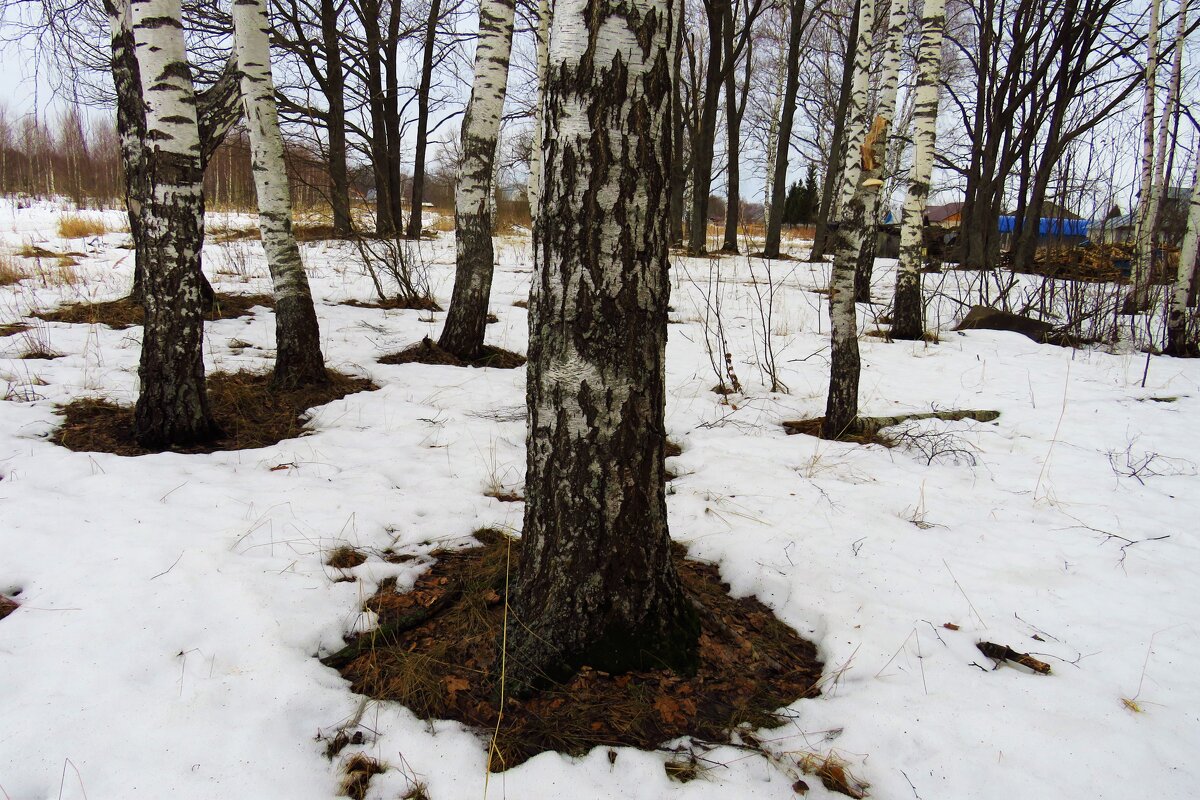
172,605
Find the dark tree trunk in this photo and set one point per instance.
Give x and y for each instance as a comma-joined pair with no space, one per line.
833,172
418,183
705,133
385,224
784,144
864,267
679,166
391,115
335,119
596,582
733,134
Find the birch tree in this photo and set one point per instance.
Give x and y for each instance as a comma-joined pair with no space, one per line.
1180,340
596,583
864,257
908,312
1152,173
172,406
298,359
864,158
467,317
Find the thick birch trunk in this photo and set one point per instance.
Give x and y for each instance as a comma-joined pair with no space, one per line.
860,190
1181,341
544,10
172,407
467,317
1143,239
298,359
596,583
908,313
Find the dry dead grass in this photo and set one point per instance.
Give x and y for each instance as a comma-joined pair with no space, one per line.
356,775
428,351
245,407
125,313
437,652
11,270
81,226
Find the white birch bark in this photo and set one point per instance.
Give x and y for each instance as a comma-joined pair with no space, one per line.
596,583
544,11
1181,341
908,314
856,116
860,190
298,359
773,141
1143,229
474,196
172,407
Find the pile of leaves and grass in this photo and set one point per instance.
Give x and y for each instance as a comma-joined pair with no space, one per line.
437,650
127,312
428,351
393,303
249,412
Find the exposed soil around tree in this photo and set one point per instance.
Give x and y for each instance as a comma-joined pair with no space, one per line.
428,351
415,303
249,412
437,651
127,313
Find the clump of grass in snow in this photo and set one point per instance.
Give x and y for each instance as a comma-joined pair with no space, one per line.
10,270
79,226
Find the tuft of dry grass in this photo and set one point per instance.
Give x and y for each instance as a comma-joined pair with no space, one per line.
356,775
249,412
418,303
126,313
13,328
428,351
11,270
81,226
345,557
834,774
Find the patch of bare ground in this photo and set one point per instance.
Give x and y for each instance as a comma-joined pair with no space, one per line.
126,313
815,426
13,328
7,606
249,412
428,351
415,303
437,651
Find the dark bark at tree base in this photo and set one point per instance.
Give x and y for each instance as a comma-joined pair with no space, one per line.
298,358
908,311
864,269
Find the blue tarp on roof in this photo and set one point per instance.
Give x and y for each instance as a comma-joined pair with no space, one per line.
1050,227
